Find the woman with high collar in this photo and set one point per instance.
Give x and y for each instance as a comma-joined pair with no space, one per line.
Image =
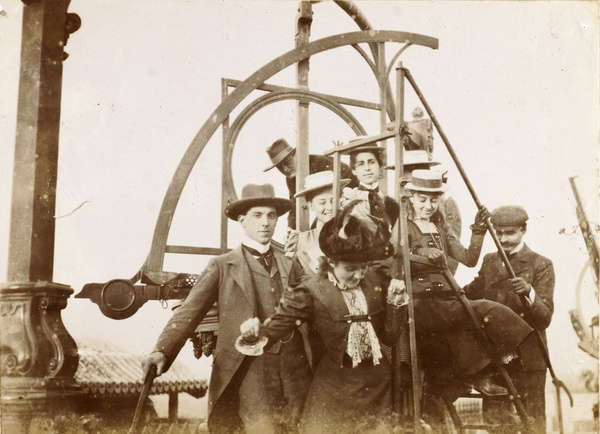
353,308
304,246
426,227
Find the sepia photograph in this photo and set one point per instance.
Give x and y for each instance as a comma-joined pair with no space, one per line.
283,216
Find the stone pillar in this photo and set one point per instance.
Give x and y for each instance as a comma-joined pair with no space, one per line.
39,357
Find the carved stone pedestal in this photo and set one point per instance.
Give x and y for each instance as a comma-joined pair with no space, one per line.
39,357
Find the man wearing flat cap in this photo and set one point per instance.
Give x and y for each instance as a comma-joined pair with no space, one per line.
535,280
254,394
283,157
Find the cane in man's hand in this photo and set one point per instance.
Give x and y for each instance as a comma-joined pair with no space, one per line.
139,410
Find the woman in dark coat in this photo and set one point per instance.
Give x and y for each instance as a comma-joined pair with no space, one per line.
438,312
353,309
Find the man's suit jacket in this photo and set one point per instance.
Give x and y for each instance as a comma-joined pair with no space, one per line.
492,284
316,163
228,280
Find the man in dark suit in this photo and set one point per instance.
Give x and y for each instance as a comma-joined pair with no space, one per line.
256,394
283,157
535,279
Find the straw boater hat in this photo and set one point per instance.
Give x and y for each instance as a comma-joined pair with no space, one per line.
319,181
257,195
416,159
278,151
509,215
429,181
355,237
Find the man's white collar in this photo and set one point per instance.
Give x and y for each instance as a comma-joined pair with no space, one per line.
260,248
517,249
372,186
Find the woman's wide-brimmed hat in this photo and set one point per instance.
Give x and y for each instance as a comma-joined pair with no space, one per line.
278,151
355,236
257,195
319,181
430,181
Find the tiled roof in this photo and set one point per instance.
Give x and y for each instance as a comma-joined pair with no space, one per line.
105,369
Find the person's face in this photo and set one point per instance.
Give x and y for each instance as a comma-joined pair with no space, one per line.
349,273
287,166
425,205
259,223
366,169
509,236
322,206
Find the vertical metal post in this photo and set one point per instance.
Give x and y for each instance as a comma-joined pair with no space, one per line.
382,83
337,171
39,356
303,23
224,152
403,246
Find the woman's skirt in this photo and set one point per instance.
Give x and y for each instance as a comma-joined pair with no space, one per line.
343,399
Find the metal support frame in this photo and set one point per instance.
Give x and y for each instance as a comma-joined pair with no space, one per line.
303,23
403,263
155,258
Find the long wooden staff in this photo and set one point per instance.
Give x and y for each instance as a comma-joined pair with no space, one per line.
524,299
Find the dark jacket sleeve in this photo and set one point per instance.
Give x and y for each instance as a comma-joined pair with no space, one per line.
297,273
476,289
395,317
186,318
456,250
543,285
296,307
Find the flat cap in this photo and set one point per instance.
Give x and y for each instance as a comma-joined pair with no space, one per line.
509,215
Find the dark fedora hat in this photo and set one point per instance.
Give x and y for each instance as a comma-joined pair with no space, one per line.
355,237
278,151
257,195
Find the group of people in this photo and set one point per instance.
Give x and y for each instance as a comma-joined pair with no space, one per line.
303,332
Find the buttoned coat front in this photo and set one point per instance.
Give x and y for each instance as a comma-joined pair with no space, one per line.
228,280
492,284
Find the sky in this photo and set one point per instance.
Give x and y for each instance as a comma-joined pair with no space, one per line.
513,84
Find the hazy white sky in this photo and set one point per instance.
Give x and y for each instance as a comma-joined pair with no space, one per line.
514,85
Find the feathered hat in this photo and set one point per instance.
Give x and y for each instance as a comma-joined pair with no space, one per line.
355,236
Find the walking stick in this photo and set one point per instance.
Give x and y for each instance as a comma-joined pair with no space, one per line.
524,300
139,410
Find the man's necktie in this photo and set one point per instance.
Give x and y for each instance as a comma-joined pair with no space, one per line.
264,258
376,203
